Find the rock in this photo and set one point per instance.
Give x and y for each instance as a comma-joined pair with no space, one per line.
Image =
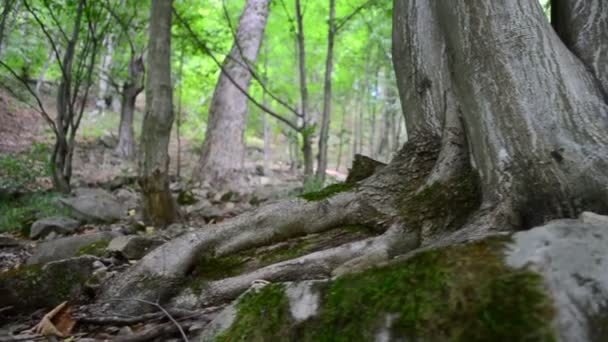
186,197
362,168
219,324
36,286
95,205
304,299
572,258
129,198
67,247
59,225
108,140
133,247
593,218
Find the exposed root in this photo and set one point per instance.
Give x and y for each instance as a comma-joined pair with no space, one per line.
318,265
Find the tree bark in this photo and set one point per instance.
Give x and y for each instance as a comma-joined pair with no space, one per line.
104,70
326,116
6,11
223,151
132,87
533,114
307,129
159,208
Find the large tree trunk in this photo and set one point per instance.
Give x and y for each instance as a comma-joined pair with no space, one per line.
158,205
496,105
132,87
532,112
223,151
325,118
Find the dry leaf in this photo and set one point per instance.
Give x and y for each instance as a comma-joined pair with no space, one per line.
58,322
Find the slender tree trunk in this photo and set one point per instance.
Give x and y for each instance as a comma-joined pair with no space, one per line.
306,128
266,124
223,151
104,70
7,7
325,119
50,58
132,87
179,114
341,142
158,205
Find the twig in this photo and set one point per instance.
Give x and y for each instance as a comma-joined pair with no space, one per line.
153,333
158,306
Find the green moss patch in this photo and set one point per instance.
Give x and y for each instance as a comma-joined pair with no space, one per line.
97,248
461,293
17,215
327,192
261,317
443,206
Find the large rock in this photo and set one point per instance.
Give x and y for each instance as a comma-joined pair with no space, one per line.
95,205
68,247
36,286
133,246
58,225
572,256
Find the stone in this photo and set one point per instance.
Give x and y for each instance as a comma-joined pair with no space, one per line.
59,225
95,205
304,299
66,247
127,197
133,246
33,287
593,218
572,257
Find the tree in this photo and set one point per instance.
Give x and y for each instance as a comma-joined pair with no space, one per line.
158,205
325,116
223,151
506,124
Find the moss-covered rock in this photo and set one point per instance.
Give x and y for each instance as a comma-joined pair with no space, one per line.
36,286
463,293
97,248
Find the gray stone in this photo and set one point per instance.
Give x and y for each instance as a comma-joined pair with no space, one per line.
59,225
95,205
572,256
593,218
64,248
133,246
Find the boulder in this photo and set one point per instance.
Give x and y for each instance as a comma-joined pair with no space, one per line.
35,286
58,224
593,218
572,257
68,247
133,246
95,205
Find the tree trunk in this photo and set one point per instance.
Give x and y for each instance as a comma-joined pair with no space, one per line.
534,114
50,58
7,7
307,130
223,151
158,205
325,120
132,87
104,70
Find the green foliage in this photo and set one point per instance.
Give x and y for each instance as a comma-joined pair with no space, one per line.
326,192
460,293
19,172
18,215
97,248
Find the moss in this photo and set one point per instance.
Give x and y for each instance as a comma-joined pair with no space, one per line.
461,293
210,268
19,214
443,206
262,316
327,192
97,248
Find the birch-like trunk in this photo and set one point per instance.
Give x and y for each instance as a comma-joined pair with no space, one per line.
223,151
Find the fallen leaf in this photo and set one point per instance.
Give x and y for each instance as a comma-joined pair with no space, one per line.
58,322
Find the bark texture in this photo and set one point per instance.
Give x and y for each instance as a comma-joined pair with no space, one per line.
132,87
158,205
224,147
532,112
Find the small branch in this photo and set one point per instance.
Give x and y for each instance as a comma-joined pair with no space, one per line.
204,47
346,19
158,306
